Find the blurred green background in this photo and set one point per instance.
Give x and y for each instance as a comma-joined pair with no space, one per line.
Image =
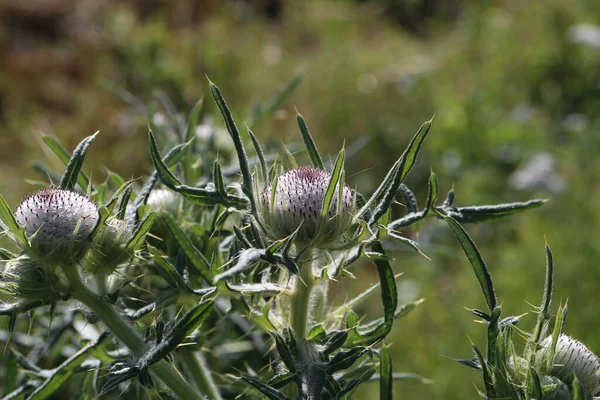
514,86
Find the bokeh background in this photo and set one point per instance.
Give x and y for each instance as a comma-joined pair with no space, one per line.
514,86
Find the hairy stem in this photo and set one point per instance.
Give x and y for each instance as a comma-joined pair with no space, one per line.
305,299
196,366
126,334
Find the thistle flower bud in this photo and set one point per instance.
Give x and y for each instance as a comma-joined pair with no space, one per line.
25,278
58,224
297,202
109,247
573,358
554,389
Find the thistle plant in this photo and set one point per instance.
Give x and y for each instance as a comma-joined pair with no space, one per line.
212,286
552,365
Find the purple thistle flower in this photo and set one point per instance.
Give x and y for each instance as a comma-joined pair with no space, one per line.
298,200
58,223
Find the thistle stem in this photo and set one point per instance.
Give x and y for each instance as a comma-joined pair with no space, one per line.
195,364
302,303
126,334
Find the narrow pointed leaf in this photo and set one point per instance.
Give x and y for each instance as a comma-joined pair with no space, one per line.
389,298
386,379
245,260
334,181
195,256
166,269
259,154
218,179
201,196
71,175
385,194
345,359
284,352
487,378
309,143
477,214
479,266
543,313
140,233
578,392
65,157
8,221
237,141
193,119
272,394
64,371
561,316
265,289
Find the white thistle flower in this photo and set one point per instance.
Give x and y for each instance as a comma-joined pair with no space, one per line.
573,358
297,202
58,223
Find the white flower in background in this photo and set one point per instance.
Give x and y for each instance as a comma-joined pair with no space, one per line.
58,223
538,173
573,358
586,34
298,201
164,200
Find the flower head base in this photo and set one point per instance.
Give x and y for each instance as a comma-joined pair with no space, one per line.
25,278
296,204
572,358
58,223
109,248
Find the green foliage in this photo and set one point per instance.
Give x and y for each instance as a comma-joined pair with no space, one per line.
212,253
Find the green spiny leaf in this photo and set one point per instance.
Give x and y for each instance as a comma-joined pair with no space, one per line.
8,220
260,154
71,175
64,371
271,393
140,233
309,142
237,141
386,380
385,194
479,267
193,119
199,262
334,181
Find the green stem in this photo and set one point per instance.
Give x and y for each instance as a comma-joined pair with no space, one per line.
302,302
196,366
129,336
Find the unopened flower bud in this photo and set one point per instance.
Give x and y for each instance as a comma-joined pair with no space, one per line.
554,389
25,278
58,223
297,202
109,247
572,358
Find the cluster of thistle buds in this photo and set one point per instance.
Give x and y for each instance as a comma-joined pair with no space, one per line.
62,228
